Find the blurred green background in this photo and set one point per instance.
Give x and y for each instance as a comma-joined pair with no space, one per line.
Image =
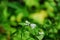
29,19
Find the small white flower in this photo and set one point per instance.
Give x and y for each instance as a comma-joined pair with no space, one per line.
33,26
27,22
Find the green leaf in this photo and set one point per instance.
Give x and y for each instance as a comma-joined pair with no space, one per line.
31,2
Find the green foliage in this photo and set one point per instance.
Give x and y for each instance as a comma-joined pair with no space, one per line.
29,20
